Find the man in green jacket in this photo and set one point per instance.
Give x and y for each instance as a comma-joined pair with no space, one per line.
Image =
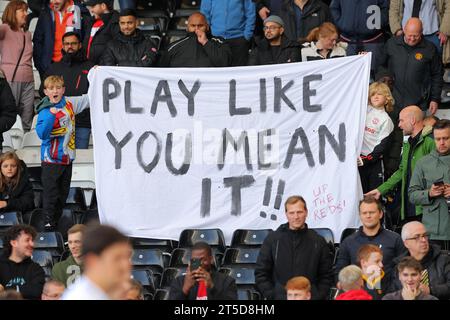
69,270
419,144
430,186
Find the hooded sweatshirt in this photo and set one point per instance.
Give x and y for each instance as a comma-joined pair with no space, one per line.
27,277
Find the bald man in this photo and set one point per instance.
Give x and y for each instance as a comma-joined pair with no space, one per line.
198,48
419,144
417,69
436,275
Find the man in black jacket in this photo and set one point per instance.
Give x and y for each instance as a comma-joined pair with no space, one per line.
436,263
371,232
17,271
301,16
8,110
216,285
198,48
294,250
100,29
417,69
130,48
74,68
275,47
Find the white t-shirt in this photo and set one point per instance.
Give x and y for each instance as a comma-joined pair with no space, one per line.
378,126
84,289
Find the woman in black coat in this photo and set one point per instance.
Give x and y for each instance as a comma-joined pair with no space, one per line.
16,192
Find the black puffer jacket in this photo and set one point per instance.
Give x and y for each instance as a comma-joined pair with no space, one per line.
21,198
130,51
74,69
315,12
189,53
102,37
8,110
437,263
287,253
262,54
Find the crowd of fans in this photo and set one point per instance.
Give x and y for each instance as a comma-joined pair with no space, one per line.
409,43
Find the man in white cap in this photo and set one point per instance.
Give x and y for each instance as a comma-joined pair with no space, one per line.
275,47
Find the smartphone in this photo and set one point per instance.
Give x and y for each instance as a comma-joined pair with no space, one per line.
439,182
195,263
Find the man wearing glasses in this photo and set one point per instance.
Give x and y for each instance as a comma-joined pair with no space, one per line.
275,47
435,277
74,68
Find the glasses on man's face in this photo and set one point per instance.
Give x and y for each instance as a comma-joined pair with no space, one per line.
72,44
271,28
418,237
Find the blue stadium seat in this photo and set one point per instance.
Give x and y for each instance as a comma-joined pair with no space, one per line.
213,237
51,241
249,238
145,278
148,258
240,256
9,219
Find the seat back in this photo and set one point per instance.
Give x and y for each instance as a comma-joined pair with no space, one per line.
169,275
213,237
327,234
151,258
52,241
43,258
161,294
347,232
242,276
145,278
247,237
240,256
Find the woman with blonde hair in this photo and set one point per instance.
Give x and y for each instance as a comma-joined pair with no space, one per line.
377,134
16,52
322,43
16,192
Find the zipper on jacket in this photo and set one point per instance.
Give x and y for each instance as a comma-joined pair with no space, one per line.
78,81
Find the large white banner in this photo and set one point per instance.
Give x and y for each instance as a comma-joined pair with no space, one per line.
225,147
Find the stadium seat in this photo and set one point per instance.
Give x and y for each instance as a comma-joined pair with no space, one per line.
51,241
172,36
155,35
8,219
145,278
244,294
149,259
168,275
245,277
43,258
245,256
180,257
327,234
249,238
88,216
66,221
32,157
153,20
75,200
213,237
37,219
347,232
190,4
13,138
31,140
161,244
161,294
180,19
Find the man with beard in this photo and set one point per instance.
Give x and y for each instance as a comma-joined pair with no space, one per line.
57,18
74,68
198,49
131,48
274,47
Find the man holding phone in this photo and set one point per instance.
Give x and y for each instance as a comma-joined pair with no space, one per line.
430,186
202,281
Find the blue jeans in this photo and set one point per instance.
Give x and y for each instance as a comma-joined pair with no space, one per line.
82,138
127,4
434,39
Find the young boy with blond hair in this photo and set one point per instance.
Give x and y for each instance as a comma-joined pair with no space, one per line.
56,128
